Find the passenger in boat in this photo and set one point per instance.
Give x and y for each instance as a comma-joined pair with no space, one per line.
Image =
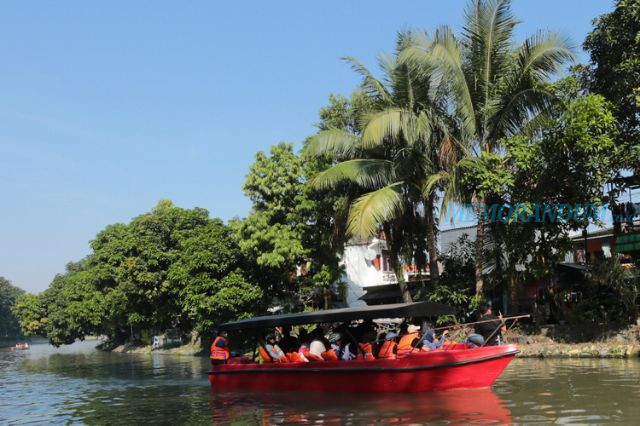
410,341
333,352
341,347
220,352
389,348
317,346
365,327
303,350
274,351
491,331
287,342
430,342
365,347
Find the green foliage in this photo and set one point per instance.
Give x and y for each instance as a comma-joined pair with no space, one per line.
212,287
169,267
614,46
31,314
290,225
456,285
75,307
495,88
345,113
487,175
564,157
9,326
383,165
609,296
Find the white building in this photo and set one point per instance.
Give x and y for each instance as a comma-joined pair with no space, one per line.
366,266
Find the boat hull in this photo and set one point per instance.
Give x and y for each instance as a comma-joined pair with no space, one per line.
418,372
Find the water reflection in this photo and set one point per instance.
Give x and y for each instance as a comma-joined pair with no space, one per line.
80,385
477,406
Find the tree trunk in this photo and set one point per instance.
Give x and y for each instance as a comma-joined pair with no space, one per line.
327,298
432,248
396,265
479,252
513,287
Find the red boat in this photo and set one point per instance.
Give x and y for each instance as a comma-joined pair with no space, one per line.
450,367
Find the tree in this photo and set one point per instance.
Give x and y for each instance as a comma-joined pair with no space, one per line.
271,238
456,286
290,228
213,288
494,88
133,262
31,314
614,47
9,326
74,305
563,159
399,147
168,268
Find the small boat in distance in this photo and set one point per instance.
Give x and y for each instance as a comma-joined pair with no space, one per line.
453,366
21,346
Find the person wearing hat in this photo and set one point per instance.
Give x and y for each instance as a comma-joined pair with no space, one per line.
490,331
409,341
389,348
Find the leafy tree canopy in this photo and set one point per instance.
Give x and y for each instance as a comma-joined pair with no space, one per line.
169,267
614,45
9,326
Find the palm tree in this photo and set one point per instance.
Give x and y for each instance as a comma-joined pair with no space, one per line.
494,89
399,148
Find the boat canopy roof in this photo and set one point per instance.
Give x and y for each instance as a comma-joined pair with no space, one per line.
395,310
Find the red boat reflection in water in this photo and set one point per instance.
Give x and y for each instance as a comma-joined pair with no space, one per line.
464,406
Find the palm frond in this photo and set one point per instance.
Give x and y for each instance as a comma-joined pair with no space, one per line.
487,33
446,53
370,84
367,173
337,142
370,211
386,124
451,182
543,55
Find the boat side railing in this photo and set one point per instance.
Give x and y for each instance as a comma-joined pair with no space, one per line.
502,321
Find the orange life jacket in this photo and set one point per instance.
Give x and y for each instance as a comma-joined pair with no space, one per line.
405,346
312,357
294,357
330,355
367,348
266,358
386,351
219,353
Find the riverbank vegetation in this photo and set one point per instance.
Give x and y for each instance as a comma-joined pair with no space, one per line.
9,325
472,117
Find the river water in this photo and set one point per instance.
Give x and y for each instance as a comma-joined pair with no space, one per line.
77,384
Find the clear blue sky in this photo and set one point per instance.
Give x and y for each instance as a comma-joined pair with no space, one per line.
107,107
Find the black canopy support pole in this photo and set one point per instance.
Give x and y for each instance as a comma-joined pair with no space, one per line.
255,348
